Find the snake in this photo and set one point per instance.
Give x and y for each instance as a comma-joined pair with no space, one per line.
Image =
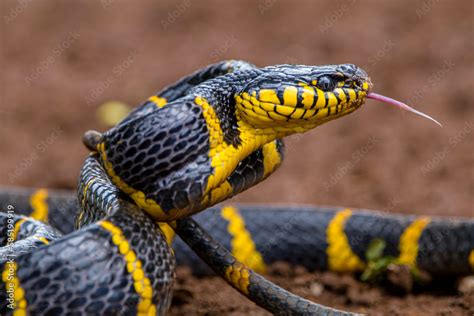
111,247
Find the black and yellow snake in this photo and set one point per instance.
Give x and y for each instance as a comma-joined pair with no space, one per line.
198,142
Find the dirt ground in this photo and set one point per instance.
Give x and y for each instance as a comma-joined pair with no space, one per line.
344,292
62,59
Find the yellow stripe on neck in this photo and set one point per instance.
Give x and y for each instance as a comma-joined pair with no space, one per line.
243,247
271,158
408,245
218,194
39,203
225,157
341,258
142,283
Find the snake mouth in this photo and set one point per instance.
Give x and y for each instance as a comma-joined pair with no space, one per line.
400,105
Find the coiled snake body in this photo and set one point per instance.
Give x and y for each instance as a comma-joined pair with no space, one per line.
198,142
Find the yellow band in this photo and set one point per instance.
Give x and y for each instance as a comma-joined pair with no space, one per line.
39,203
341,258
238,275
408,245
142,283
159,102
14,289
243,247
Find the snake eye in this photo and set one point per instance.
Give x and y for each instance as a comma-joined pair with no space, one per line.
326,83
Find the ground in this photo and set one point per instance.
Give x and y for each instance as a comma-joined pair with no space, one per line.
61,60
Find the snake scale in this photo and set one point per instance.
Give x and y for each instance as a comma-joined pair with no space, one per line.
209,136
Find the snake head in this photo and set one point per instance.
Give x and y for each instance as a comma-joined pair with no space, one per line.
296,98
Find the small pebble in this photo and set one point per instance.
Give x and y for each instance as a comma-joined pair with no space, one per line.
466,285
316,288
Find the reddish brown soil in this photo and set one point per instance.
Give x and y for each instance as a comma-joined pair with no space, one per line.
60,60
214,297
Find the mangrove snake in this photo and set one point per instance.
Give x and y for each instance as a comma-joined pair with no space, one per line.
198,142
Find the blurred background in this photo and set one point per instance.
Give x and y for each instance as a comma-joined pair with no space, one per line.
61,60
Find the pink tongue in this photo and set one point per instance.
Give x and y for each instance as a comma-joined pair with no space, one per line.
400,105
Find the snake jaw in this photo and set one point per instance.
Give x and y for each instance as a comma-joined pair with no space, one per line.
91,139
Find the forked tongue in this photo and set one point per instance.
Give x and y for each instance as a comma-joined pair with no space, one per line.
400,105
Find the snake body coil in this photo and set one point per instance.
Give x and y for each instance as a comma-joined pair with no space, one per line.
200,141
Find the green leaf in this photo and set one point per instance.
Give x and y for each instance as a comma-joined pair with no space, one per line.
375,250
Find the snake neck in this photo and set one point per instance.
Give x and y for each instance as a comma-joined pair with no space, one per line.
223,97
